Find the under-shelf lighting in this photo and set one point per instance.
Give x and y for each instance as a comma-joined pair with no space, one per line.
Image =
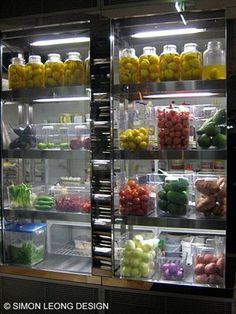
51,42
169,32
61,99
181,95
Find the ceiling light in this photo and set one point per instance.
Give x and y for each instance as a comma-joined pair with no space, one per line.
181,95
62,99
169,32
50,42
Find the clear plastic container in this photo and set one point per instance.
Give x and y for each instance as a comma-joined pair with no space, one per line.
149,65
25,243
17,72
136,198
211,127
173,124
191,63
64,142
138,251
80,136
54,71
21,196
87,70
172,268
214,61
169,64
44,199
46,136
173,195
208,266
83,245
72,199
35,72
210,196
128,67
74,69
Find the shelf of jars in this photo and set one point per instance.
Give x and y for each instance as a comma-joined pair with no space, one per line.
45,215
154,220
171,154
47,94
47,154
159,89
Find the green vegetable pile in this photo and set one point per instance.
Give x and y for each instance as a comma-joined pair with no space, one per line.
173,199
213,131
44,202
26,253
21,196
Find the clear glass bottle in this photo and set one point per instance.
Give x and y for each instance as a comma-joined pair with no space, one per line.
191,63
214,61
128,67
74,69
35,72
16,72
169,64
87,70
149,70
54,71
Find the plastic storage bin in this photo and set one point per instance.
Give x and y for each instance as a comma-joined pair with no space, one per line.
136,198
25,243
21,196
44,199
138,252
72,199
173,124
210,196
211,127
172,268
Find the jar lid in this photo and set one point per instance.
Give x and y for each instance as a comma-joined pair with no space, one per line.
54,55
34,58
190,45
169,47
73,55
149,49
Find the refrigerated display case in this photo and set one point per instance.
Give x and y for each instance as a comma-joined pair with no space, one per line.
158,124
46,157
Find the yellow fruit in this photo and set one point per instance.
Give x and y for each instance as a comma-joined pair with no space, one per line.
143,145
138,139
144,64
143,131
131,145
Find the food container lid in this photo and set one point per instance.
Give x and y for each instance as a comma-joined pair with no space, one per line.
28,228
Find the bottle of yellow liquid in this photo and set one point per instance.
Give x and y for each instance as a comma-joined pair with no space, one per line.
34,72
54,71
214,61
74,69
87,69
149,65
191,63
169,64
128,67
16,72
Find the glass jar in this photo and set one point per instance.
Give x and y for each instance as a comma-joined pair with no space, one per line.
191,63
173,127
149,65
128,67
34,72
87,69
214,61
169,64
54,71
16,72
74,69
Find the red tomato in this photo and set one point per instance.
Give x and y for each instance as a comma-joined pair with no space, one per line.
178,127
185,123
122,193
122,200
176,140
185,131
169,124
128,198
144,198
172,134
142,191
161,134
166,131
132,183
161,124
136,200
177,134
168,140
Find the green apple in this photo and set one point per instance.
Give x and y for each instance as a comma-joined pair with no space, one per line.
137,253
134,262
138,240
129,244
144,269
125,271
124,262
146,257
153,254
135,272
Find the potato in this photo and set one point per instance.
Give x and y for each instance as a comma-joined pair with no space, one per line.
209,258
203,279
204,203
199,269
200,259
211,268
215,279
207,187
221,265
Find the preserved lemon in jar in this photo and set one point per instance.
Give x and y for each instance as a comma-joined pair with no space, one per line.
34,72
128,67
87,70
54,71
74,69
16,72
214,61
149,70
169,64
191,63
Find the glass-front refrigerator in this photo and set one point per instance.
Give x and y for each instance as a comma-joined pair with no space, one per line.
171,208
45,153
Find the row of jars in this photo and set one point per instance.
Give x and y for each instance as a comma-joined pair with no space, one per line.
74,71
191,64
